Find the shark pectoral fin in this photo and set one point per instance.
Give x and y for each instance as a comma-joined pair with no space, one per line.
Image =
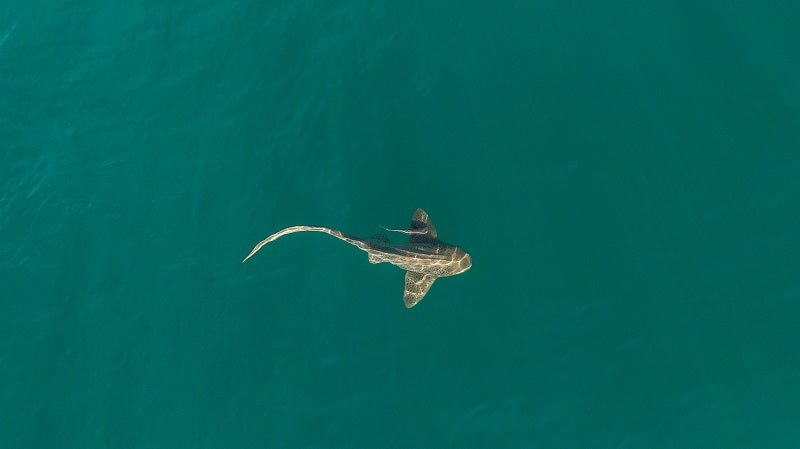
417,285
425,232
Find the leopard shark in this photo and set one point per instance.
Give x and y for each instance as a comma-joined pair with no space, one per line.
425,258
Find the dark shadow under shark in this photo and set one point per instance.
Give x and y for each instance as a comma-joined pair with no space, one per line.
424,257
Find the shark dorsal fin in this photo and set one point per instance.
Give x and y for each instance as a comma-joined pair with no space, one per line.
380,237
421,222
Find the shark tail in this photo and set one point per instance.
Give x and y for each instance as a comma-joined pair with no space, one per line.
290,230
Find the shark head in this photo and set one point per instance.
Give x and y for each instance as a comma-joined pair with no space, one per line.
464,261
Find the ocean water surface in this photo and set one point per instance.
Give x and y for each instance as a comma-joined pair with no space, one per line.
625,177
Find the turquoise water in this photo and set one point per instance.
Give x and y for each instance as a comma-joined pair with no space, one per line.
626,178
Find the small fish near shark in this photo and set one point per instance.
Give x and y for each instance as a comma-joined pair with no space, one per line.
425,258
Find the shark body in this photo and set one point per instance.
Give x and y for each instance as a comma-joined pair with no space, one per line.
425,258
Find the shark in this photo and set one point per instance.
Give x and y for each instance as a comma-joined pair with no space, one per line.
425,258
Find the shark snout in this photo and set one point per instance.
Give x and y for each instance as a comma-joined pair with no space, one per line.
464,261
